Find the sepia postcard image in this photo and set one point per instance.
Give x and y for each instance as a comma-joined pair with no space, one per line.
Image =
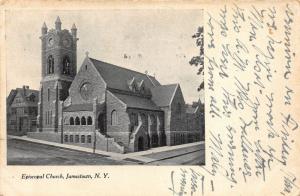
105,87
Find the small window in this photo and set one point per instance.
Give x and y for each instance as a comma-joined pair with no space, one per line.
83,121
66,66
66,138
71,121
33,123
71,138
48,94
85,67
50,62
89,120
50,121
114,120
77,121
76,138
89,139
83,139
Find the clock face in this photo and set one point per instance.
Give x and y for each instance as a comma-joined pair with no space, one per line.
50,41
66,42
86,90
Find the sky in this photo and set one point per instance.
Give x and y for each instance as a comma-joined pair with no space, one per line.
154,40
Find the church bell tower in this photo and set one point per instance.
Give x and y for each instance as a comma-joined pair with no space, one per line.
58,71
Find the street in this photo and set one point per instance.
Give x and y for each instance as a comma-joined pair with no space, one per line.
28,153
22,152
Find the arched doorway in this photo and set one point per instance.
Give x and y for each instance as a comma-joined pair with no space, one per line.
154,141
140,144
101,123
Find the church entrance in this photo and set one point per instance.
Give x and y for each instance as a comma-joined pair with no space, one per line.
101,123
140,144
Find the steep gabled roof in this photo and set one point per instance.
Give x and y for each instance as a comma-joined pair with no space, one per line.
25,93
79,107
11,97
163,95
132,101
190,108
117,77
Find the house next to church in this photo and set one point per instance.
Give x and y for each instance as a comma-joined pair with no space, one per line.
21,111
104,106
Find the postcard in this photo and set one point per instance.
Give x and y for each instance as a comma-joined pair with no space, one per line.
150,98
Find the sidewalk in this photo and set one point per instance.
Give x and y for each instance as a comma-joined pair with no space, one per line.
135,156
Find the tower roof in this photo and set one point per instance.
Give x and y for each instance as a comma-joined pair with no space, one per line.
44,26
74,26
57,20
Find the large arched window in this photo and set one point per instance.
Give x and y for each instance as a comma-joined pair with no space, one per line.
89,120
153,123
144,120
71,121
114,118
66,65
134,119
77,121
50,63
83,121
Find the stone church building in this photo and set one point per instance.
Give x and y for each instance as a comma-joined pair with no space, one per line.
104,106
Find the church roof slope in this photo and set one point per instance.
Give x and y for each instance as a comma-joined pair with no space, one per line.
190,109
137,102
163,95
79,107
11,97
117,77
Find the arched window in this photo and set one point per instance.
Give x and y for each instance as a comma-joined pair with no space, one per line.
152,119
50,62
134,119
83,121
89,139
77,121
66,66
83,139
114,120
66,138
134,87
71,121
48,94
144,119
153,123
89,120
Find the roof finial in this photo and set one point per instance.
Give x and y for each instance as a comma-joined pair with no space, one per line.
44,29
74,26
87,54
57,20
58,24
44,26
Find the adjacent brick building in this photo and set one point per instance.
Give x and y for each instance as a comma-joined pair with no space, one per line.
104,106
21,111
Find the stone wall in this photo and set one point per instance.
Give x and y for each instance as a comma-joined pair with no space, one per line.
120,130
87,73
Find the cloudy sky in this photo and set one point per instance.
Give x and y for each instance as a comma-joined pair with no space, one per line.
158,41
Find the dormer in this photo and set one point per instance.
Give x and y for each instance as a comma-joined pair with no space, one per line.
132,84
141,87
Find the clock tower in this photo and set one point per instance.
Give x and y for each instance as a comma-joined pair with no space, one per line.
58,71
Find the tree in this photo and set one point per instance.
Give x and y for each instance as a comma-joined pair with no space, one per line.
198,60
